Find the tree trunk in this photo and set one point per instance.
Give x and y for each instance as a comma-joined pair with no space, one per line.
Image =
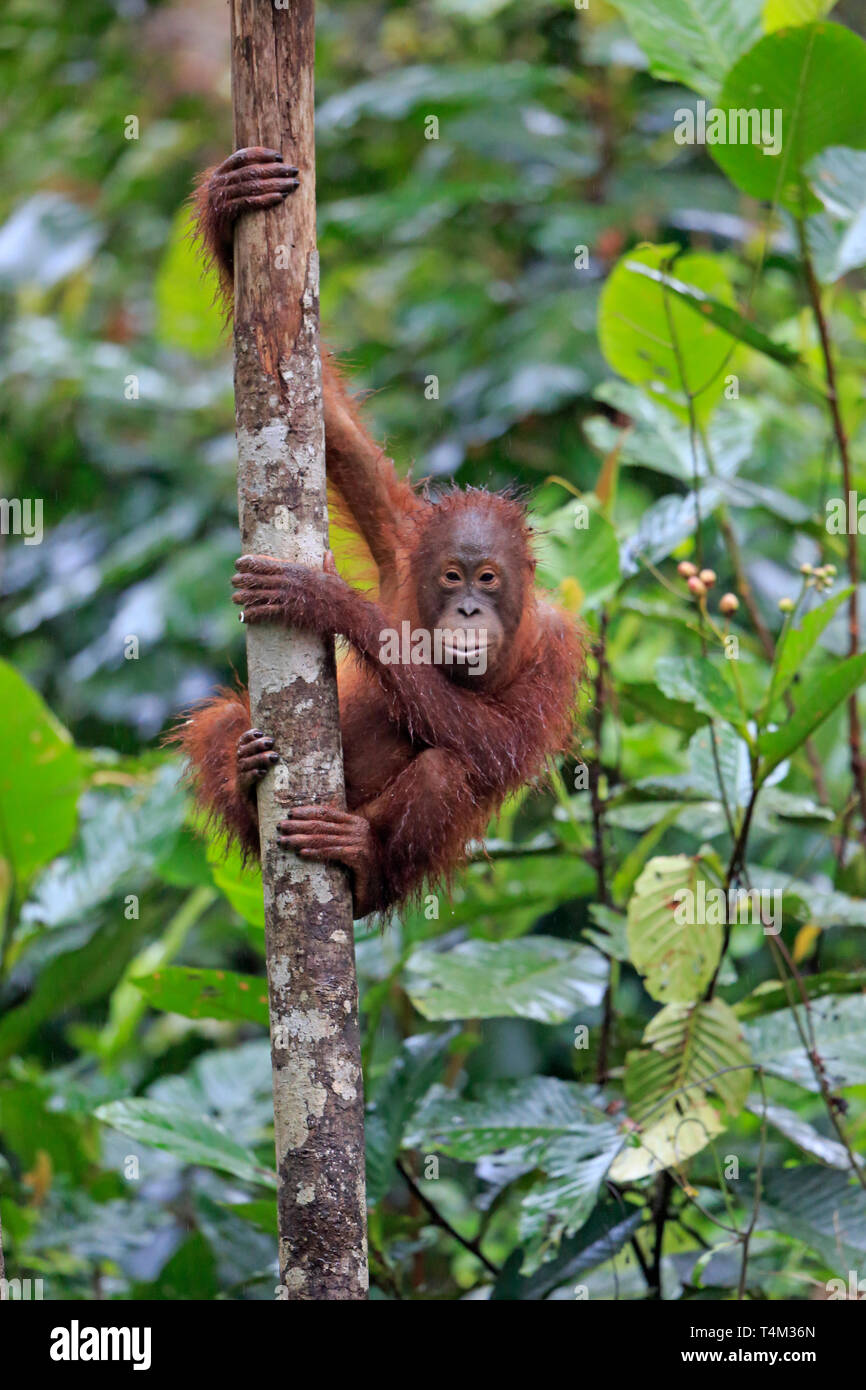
318,1092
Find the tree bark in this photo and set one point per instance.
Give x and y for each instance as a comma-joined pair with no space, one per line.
318,1092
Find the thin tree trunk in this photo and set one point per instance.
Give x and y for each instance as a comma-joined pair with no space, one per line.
318,1093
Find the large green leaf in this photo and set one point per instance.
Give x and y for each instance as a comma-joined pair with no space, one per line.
579,544
538,977
800,1132
838,235
125,831
840,1027
825,1209
187,313
814,76
656,439
771,996
720,314
40,778
608,1229
240,883
693,41
677,1135
699,682
796,644
71,978
667,523
514,893
180,989
702,1047
190,1138
411,1073
779,14
816,701
538,1122
669,945
652,338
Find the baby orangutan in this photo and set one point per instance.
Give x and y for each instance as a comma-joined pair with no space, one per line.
438,729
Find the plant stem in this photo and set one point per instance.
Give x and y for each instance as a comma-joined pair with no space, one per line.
436,1216
858,770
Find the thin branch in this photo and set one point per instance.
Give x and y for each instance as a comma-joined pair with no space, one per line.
858,769
660,1208
756,1205
439,1220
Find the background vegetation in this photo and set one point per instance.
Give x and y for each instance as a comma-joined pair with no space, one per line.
566,1089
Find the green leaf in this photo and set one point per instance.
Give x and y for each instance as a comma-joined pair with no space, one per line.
816,701
720,314
608,1229
188,315
72,978
692,41
262,1214
655,340
187,1137
126,1006
179,989
612,937
824,1209
800,1132
814,76
694,1047
579,544
241,884
838,235
770,996
656,439
676,954
668,1142
627,874
410,1075
537,977
839,1025
724,744
40,778
648,699
667,523
697,681
125,831
779,14
796,644
539,1122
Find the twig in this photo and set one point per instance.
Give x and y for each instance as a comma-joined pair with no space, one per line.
765,637
436,1216
660,1204
858,771
756,1205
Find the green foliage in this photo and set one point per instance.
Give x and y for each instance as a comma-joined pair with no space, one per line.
654,339
614,327
40,780
675,952
811,75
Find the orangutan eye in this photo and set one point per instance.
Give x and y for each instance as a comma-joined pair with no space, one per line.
452,576
487,577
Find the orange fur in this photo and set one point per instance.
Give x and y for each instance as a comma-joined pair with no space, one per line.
427,760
